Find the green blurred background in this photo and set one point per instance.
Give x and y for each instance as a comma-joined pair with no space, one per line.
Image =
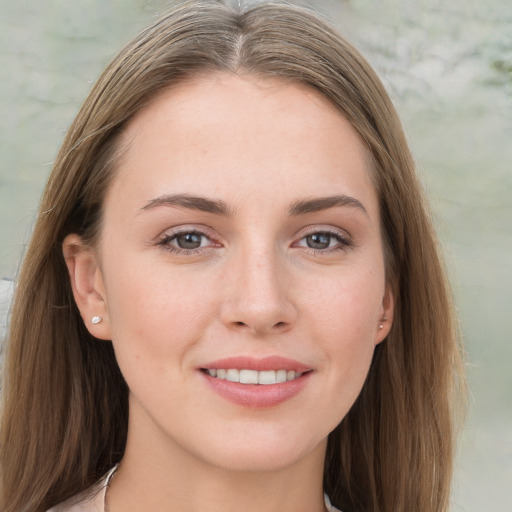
447,65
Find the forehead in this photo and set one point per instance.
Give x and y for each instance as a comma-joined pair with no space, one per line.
208,133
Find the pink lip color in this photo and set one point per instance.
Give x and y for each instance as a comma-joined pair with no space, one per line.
257,396
260,365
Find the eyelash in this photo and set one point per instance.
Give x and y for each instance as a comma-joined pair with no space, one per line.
165,242
343,244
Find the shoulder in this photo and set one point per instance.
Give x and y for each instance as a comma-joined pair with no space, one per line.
328,506
92,500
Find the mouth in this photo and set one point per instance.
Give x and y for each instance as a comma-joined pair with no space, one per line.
256,383
245,376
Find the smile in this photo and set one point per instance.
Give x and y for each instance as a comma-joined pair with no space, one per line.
257,383
245,376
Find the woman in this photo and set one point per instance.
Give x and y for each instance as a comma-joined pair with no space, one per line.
233,297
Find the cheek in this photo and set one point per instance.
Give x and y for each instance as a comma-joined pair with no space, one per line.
345,324
347,303
154,314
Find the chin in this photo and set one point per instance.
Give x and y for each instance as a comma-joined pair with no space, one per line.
262,451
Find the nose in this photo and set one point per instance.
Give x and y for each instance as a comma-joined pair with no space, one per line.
257,294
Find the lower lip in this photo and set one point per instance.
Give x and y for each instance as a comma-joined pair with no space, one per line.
257,396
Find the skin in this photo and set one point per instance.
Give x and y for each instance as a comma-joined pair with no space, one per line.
254,287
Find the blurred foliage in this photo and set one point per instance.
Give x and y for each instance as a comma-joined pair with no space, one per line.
503,68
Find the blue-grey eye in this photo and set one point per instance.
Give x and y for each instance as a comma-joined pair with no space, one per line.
319,240
189,240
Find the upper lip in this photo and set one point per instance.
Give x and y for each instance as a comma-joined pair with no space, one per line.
257,364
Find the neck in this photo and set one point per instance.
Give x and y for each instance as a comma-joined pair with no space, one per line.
157,477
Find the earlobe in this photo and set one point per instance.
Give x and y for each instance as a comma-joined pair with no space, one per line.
386,317
87,285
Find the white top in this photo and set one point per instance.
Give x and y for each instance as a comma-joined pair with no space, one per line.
93,500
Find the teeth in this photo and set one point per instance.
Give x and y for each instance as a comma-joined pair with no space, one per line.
233,375
281,375
254,377
248,377
268,377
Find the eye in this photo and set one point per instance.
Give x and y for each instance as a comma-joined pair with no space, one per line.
186,241
189,240
324,241
319,240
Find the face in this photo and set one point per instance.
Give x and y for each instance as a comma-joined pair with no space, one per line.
240,272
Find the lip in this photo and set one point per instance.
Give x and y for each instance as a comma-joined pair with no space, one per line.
260,365
256,396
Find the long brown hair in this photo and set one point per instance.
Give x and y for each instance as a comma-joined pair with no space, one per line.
65,403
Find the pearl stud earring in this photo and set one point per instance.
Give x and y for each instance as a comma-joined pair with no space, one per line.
96,319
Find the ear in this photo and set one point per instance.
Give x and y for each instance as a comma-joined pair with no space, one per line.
87,285
386,315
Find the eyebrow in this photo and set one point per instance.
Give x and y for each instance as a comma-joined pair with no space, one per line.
324,203
202,204
218,207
